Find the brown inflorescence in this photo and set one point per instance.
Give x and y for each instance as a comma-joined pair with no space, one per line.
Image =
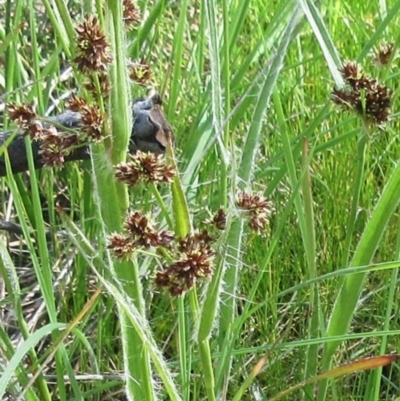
219,219
139,72
383,54
92,49
363,94
131,14
121,245
55,145
195,262
144,168
91,118
140,232
143,231
258,207
23,114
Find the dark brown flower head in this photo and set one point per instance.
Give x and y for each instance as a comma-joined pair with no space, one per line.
144,168
76,103
35,130
195,262
162,279
250,202
23,114
352,74
92,119
383,54
92,54
191,243
218,220
258,222
131,14
121,245
258,208
52,148
363,94
143,232
55,145
139,72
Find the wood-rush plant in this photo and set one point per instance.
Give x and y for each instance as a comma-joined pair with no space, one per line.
204,266
187,255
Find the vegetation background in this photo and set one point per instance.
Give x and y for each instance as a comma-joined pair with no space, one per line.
247,87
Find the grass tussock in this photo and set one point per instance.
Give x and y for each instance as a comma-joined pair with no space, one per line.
246,247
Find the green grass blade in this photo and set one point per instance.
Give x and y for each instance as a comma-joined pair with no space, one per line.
346,301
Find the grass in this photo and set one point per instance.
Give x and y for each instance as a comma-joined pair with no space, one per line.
247,89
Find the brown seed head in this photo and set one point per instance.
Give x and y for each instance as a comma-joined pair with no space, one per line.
121,245
76,103
92,120
219,219
23,114
364,95
383,54
258,207
139,72
55,146
143,232
131,14
247,201
144,168
92,53
195,262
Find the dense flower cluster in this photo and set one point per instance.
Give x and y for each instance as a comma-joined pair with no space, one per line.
219,219
144,168
258,207
363,94
140,232
195,262
23,114
139,72
383,54
93,56
55,145
92,50
131,14
92,119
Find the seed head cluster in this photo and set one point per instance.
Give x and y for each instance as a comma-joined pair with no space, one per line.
92,50
139,232
142,229
144,168
139,72
93,56
23,115
219,219
131,14
363,94
55,145
194,262
383,54
258,207
92,119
